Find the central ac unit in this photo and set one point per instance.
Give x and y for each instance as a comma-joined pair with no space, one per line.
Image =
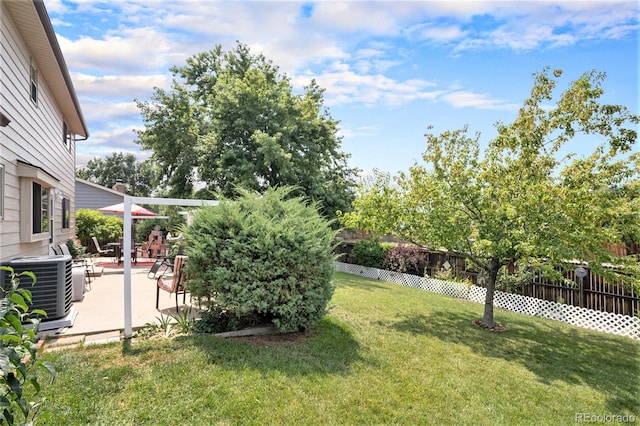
53,290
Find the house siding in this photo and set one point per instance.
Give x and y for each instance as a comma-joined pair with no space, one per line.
35,135
91,196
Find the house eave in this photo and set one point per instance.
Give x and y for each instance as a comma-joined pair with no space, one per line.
37,32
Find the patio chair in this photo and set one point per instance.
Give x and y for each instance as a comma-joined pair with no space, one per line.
81,262
134,252
170,260
145,248
100,251
160,267
173,281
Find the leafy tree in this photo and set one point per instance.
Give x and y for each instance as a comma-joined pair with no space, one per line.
138,176
269,256
524,200
234,121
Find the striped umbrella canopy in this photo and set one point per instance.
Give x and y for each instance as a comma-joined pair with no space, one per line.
136,210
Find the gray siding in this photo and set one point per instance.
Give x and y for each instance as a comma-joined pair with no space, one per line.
35,135
91,197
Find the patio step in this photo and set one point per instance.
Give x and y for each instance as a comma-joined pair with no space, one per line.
96,272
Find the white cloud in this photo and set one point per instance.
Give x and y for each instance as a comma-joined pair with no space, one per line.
469,99
132,49
535,25
109,139
361,131
344,85
436,32
119,86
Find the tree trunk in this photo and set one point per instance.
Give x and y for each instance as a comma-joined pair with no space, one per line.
487,319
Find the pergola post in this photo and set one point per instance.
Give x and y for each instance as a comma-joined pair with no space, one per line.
128,201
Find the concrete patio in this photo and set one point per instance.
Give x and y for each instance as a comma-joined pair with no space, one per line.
101,311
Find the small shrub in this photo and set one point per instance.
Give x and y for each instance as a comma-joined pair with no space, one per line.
18,356
369,252
406,259
268,255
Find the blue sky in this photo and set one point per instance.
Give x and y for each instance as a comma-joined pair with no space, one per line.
390,69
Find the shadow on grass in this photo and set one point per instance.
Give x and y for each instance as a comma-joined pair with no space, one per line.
609,364
328,349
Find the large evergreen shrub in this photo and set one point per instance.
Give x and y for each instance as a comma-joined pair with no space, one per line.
267,255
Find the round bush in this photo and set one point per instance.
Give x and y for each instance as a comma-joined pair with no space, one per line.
94,223
369,252
268,254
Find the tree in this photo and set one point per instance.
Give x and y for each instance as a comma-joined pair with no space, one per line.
138,176
523,200
234,121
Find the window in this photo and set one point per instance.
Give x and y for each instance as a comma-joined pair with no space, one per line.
36,201
66,213
66,136
33,86
41,211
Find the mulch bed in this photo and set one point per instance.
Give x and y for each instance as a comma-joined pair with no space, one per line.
497,328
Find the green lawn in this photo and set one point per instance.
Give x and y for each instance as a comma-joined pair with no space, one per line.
384,355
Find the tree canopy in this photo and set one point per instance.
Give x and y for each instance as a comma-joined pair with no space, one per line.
523,200
137,176
232,120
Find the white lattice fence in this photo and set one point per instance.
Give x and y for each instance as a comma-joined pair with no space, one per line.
588,318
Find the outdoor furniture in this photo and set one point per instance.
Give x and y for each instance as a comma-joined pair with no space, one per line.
82,262
143,249
160,264
173,281
120,251
100,251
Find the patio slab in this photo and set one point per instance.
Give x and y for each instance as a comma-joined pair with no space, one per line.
102,308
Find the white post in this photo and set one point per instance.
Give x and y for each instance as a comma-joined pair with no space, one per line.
128,200
128,329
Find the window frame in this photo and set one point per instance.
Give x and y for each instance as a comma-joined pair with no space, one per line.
40,208
35,184
66,136
66,213
33,82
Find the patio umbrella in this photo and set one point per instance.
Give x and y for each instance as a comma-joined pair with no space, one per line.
136,210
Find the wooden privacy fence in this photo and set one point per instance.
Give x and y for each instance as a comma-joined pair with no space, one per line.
592,292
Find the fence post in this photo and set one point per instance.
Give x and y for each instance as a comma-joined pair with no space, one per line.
580,274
